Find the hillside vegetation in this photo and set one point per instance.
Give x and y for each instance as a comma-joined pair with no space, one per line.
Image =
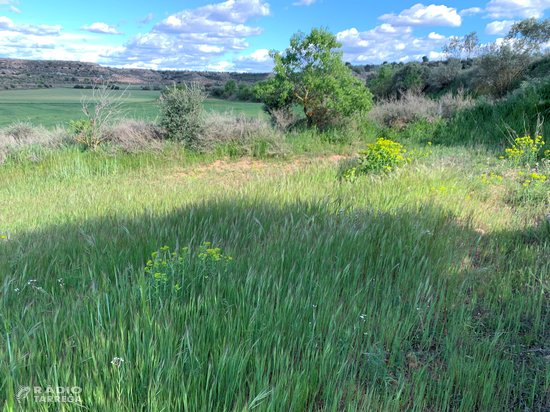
28,74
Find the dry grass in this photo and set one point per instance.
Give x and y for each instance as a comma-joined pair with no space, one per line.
21,135
283,119
246,136
412,107
451,103
134,136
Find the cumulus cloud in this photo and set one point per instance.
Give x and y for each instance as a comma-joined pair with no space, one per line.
304,2
101,28
257,61
221,19
502,9
388,43
421,15
195,38
501,27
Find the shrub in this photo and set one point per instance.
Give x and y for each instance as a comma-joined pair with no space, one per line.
413,107
23,135
525,150
182,112
381,83
283,118
451,103
83,134
529,187
409,108
410,77
444,75
241,136
382,156
134,136
104,106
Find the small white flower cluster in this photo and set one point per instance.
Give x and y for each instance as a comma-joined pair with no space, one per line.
117,361
34,284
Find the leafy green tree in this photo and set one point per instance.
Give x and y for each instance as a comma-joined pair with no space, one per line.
381,84
412,76
312,74
230,88
245,93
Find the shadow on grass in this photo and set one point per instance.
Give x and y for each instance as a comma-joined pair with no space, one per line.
102,246
394,301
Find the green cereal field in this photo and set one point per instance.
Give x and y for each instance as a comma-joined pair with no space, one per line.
50,107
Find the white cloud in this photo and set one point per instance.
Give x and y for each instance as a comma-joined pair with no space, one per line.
228,17
221,66
57,46
195,38
208,48
257,61
304,2
7,24
436,36
102,28
15,10
420,15
501,27
260,55
471,11
502,9
44,42
388,43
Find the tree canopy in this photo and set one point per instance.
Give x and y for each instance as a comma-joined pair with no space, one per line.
312,74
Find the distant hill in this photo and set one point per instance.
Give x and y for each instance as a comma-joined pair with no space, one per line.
30,74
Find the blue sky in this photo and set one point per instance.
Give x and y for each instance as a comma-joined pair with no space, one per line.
235,35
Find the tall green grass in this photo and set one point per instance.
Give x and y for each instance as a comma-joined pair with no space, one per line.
418,290
496,123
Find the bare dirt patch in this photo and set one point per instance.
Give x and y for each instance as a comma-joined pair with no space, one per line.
245,168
